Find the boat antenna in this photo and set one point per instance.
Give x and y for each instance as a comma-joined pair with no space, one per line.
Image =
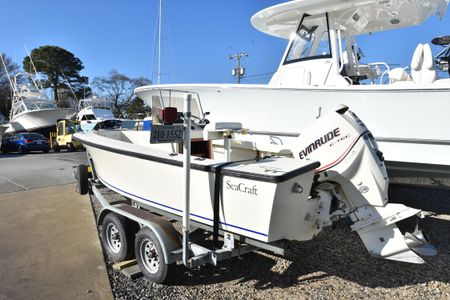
34,68
12,83
7,73
68,83
159,43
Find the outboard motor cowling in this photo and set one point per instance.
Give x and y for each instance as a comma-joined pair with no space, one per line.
353,171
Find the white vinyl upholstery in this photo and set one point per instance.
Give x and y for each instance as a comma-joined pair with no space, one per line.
422,65
292,77
416,63
398,74
428,73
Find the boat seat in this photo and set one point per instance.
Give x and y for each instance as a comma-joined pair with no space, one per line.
292,77
398,75
422,68
416,63
422,65
428,73
219,130
228,126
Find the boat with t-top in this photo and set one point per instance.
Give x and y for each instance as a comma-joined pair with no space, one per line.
406,108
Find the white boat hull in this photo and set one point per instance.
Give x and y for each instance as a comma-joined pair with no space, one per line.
37,120
269,199
276,211
410,125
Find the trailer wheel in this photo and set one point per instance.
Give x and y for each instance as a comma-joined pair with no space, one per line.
118,237
82,179
150,256
56,148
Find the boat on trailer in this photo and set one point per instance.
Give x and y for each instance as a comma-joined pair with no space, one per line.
257,200
405,108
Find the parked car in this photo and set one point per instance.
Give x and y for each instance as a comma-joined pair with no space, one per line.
24,143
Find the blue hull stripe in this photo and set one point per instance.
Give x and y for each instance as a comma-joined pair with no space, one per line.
179,210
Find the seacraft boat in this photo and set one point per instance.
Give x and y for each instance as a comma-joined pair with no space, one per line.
260,199
406,108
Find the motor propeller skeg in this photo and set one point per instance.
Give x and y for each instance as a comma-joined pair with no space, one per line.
419,243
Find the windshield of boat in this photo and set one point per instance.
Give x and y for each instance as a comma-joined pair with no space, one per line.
311,40
88,117
36,104
96,103
169,98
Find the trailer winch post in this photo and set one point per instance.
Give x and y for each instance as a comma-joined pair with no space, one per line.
187,176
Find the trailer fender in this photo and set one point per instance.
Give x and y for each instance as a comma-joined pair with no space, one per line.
168,236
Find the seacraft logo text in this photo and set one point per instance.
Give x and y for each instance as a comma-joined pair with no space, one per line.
241,187
320,142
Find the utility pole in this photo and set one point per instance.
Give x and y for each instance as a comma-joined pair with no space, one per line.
238,71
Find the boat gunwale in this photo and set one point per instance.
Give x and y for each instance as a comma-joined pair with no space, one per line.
199,87
211,168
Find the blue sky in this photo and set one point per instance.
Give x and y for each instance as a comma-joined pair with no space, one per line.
198,37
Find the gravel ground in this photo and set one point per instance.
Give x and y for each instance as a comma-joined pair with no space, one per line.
335,265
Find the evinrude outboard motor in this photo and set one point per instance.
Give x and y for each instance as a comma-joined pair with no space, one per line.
353,171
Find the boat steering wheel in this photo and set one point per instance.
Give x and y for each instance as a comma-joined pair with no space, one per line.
199,121
442,60
196,121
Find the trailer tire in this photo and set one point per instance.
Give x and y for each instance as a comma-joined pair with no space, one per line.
56,148
82,179
150,256
118,234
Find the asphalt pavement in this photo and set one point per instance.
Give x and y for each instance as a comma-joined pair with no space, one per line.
37,170
49,247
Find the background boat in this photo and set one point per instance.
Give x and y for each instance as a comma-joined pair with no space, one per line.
32,110
322,67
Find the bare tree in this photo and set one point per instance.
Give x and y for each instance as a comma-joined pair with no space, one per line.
5,88
118,88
